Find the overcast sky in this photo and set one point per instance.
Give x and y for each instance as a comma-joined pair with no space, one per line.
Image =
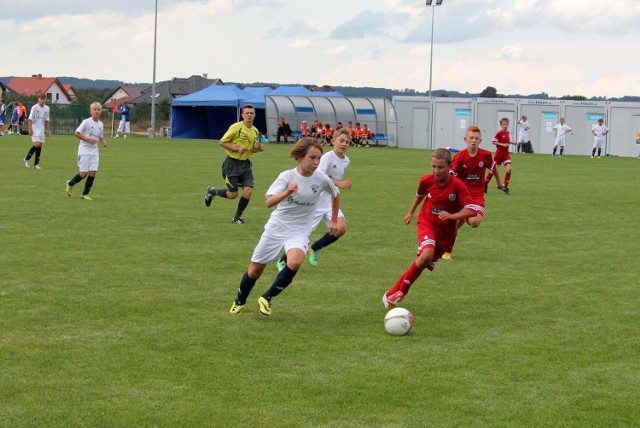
562,47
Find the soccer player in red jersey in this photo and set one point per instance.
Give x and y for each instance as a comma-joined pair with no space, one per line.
502,140
469,165
447,201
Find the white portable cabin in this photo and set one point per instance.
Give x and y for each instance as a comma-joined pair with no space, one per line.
378,113
624,129
580,116
542,115
414,131
489,112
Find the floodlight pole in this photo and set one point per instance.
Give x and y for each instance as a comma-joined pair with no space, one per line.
431,109
153,86
430,3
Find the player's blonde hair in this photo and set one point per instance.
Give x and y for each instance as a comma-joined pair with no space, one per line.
338,132
95,104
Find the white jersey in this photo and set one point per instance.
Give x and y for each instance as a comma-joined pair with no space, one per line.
600,131
38,116
561,130
294,215
333,166
92,129
523,133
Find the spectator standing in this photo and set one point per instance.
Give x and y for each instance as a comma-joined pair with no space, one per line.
125,120
599,132
561,130
15,114
523,134
39,126
22,114
241,141
3,116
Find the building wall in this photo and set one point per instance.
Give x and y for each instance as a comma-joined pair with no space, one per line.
441,122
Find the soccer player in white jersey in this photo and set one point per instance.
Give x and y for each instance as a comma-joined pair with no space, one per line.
599,131
39,125
334,164
295,193
561,136
90,132
523,134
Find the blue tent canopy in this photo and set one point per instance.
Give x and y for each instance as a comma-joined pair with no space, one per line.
207,114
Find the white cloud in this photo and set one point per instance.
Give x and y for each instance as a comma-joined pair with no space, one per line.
584,47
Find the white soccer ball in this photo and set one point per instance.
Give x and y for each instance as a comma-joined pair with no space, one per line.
398,322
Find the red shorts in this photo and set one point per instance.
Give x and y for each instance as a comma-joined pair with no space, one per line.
502,159
478,204
440,240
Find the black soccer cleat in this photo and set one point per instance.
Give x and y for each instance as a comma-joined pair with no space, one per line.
208,197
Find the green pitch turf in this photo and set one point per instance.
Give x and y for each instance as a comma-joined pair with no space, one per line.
114,312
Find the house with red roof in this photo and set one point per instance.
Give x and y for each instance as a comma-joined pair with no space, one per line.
36,85
71,91
123,93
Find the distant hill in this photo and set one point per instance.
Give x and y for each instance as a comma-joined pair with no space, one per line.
80,83
347,91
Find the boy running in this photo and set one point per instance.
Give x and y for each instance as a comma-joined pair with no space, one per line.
295,194
447,201
502,140
333,164
469,166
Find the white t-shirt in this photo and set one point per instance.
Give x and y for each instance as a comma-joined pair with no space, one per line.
295,213
599,130
92,129
561,130
333,166
38,116
523,134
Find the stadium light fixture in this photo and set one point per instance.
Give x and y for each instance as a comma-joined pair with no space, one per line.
430,3
153,86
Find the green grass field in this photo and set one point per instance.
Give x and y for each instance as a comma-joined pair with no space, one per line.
115,312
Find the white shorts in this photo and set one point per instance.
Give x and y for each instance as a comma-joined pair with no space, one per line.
326,216
88,163
124,126
560,141
37,138
598,143
522,138
268,248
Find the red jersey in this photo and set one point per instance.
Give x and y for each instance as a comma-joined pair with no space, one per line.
502,153
470,169
452,197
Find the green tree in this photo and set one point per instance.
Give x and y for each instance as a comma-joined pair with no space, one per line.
573,97
489,92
